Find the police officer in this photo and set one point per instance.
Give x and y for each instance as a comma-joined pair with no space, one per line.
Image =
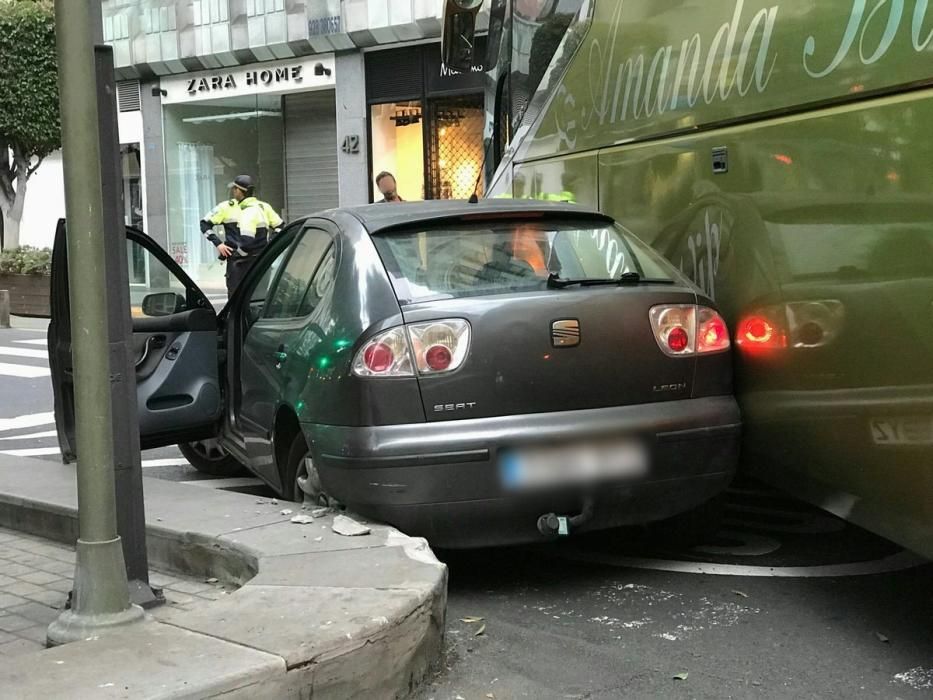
248,225
273,220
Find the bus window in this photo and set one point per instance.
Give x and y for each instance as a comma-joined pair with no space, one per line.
538,26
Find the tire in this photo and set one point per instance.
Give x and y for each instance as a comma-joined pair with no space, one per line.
208,457
299,484
693,527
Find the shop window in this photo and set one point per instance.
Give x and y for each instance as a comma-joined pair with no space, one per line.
456,147
131,165
398,146
131,162
207,144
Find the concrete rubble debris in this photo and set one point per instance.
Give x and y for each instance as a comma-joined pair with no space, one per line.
348,527
302,519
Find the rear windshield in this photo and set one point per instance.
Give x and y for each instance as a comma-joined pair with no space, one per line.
879,250
478,259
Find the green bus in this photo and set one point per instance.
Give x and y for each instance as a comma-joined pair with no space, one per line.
780,153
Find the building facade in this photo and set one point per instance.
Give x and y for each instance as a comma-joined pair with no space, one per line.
310,97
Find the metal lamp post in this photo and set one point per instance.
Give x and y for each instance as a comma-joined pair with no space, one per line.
101,597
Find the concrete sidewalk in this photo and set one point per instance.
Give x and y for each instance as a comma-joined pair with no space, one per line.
36,576
317,614
29,323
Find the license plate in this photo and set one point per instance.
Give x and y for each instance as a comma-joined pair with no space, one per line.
913,430
571,465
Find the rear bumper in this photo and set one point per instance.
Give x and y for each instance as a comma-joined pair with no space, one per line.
441,480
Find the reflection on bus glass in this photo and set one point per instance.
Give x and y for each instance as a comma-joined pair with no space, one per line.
817,240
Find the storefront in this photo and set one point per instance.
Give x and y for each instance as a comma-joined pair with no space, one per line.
274,121
425,123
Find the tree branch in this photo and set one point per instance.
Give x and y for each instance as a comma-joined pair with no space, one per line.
6,175
33,168
20,162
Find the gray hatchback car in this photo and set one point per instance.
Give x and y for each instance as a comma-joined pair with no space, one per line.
490,373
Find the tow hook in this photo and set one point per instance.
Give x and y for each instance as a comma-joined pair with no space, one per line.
553,525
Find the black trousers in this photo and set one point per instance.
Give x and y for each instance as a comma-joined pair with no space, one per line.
237,267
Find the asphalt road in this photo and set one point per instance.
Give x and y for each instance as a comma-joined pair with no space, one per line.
787,602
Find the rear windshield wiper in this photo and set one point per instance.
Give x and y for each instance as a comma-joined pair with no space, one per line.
555,281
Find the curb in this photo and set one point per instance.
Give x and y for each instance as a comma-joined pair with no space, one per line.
317,614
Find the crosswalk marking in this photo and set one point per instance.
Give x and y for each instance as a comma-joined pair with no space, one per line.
31,452
32,436
36,341
24,352
32,420
45,451
23,371
239,482
173,462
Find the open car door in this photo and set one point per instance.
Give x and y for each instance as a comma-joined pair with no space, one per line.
175,345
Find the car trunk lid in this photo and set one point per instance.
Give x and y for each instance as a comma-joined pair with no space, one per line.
517,363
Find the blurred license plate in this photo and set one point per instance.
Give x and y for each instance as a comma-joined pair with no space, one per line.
915,430
570,465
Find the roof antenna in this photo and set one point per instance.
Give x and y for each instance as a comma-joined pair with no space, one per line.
474,198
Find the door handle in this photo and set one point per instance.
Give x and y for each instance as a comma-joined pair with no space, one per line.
280,356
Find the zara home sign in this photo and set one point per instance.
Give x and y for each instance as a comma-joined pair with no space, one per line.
307,73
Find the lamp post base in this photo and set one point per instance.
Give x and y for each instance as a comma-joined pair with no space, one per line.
101,600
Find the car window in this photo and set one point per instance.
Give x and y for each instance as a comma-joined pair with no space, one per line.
472,260
261,291
321,283
292,285
151,280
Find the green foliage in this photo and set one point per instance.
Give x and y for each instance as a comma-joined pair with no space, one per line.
26,260
29,103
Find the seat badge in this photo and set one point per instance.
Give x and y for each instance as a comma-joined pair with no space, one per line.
565,333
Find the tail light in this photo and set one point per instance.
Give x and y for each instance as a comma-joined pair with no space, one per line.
797,324
439,346
434,347
763,329
813,324
712,333
675,328
686,329
386,355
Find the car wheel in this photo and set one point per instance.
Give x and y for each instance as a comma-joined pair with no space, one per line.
693,527
302,483
208,457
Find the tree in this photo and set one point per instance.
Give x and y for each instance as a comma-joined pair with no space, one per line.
30,127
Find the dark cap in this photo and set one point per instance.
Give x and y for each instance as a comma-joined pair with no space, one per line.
242,182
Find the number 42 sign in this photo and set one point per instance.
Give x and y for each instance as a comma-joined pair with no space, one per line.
351,144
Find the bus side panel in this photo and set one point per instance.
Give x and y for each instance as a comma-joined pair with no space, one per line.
572,179
815,235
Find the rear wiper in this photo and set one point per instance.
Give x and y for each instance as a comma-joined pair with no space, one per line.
555,281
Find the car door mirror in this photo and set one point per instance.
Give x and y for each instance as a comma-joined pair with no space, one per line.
459,38
163,304
254,311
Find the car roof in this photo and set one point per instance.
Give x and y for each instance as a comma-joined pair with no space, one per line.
382,217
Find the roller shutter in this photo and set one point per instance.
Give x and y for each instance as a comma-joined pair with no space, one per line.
310,153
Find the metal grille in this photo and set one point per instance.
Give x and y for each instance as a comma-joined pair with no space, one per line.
128,95
455,147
